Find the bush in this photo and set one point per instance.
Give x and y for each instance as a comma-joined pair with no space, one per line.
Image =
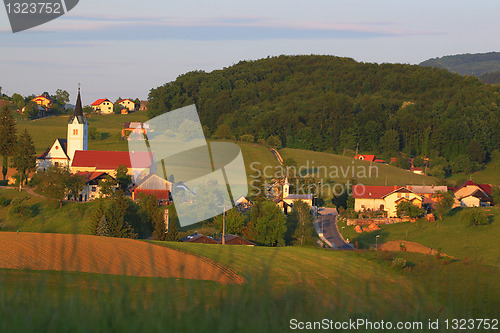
399,262
4,202
474,218
20,208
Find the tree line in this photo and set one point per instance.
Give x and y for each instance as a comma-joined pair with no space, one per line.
327,103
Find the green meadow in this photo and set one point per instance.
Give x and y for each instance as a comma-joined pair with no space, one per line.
451,235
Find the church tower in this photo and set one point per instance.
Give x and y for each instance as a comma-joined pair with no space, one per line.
78,130
286,188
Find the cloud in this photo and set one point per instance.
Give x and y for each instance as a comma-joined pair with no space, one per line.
114,27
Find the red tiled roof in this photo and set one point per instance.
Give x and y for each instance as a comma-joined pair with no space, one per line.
90,176
485,187
123,100
369,158
100,101
378,160
110,160
372,192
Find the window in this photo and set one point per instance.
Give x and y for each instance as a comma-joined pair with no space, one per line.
407,195
75,131
94,188
399,195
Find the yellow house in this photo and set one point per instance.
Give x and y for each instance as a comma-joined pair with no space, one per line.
383,198
103,105
43,101
128,104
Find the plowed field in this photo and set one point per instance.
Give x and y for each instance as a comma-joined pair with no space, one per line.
106,255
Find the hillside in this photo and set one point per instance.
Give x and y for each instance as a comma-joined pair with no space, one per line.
451,236
477,64
326,103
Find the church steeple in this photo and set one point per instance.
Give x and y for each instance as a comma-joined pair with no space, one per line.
78,114
77,130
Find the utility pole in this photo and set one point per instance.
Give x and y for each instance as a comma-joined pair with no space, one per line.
165,218
224,226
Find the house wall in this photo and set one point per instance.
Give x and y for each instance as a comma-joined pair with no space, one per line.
391,205
361,204
129,105
470,201
105,107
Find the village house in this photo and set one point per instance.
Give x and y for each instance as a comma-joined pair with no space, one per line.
470,194
230,239
91,189
199,238
369,158
43,101
144,105
428,193
128,104
132,126
383,198
103,106
153,185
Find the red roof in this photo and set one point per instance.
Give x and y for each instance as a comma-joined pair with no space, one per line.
378,160
372,192
90,176
100,101
369,158
110,160
123,100
485,187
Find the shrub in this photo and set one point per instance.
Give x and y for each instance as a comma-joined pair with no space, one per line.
4,202
474,218
20,208
399,262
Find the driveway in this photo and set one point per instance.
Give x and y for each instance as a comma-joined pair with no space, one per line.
326,227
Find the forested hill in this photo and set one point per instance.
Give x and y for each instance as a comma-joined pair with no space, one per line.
327,103
486,66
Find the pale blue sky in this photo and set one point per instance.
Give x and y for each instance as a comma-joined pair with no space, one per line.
125,48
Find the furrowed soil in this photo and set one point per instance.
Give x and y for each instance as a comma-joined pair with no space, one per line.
106,255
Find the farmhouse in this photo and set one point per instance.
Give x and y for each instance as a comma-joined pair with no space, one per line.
153,185
369,158
470,194
428,193
128,104
230,239
43,101
103,105
134,126
199,238
91,190
383,198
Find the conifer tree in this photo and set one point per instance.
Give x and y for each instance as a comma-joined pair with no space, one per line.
24,159
7,137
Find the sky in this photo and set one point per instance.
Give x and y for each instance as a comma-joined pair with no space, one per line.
124,48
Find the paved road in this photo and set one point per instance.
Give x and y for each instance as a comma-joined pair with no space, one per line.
326,226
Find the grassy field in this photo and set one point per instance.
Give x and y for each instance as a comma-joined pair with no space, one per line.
45,130
281,283
348,168
46,216
451,236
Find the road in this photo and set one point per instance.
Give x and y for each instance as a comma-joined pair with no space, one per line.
326,226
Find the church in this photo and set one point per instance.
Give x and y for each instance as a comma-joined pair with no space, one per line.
73,152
